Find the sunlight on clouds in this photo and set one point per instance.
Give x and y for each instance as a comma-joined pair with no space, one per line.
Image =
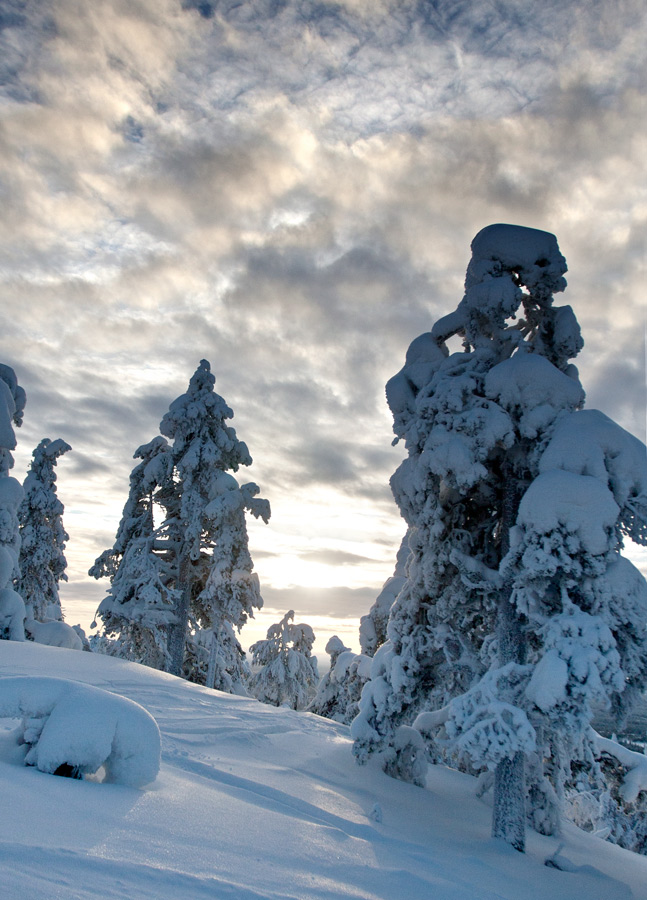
290,571
292,197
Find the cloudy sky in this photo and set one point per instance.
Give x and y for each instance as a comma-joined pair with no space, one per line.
288,189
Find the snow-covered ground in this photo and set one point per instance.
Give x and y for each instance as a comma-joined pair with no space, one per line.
256,802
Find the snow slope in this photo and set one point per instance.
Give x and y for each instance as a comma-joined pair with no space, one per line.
256,802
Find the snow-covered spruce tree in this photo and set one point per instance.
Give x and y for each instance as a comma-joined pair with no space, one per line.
217,589
507,575
288,675
139,606
340,689
42,535
182,580
12,608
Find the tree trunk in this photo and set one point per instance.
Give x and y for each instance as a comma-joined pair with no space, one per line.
509,813
213,656
177,632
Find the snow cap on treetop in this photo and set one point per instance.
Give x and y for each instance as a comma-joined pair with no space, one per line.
534,255
53,449
8,375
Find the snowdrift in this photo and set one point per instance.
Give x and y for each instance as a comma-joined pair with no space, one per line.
75,727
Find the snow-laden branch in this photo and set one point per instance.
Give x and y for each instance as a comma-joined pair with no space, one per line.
635,779
428,722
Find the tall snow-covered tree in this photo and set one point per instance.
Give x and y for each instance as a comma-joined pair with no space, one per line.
42,549
511,622
182,576
218,590
288,673
12,608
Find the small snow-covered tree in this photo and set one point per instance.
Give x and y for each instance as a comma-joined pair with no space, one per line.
340,689
288,675
12,608
182,580
372,626
139,607
511,622
42,548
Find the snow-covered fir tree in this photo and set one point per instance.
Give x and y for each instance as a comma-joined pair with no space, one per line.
518,611
42,549
12,608
288,673
182,580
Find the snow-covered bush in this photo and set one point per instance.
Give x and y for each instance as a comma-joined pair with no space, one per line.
288,673
42,535
518,611
182,580
75,729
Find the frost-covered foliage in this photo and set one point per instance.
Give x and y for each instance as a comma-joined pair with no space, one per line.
610,800
372,626
518,612
341,687
74,729
182,580
12,609
42,535
288,673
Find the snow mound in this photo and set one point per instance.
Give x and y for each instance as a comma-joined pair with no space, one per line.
54,634
71,726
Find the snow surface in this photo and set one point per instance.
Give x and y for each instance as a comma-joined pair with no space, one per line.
257,802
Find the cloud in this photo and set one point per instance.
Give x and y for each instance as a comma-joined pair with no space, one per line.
336,602
289,190
336,558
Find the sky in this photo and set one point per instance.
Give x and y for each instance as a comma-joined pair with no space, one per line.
289,190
